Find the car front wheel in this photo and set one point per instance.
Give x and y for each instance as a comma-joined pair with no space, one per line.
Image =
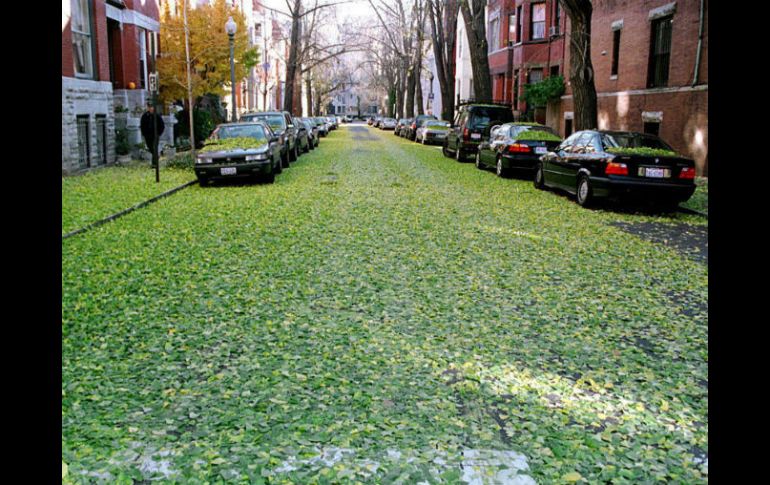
539,177
445,150
501,171
458,153
478,160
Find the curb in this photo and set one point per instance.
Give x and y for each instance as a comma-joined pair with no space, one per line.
692,211
126,211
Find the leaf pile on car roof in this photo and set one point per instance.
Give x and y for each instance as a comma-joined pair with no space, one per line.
235,143
416,308
537,135
643,151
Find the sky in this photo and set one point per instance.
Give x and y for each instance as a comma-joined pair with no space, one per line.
351,9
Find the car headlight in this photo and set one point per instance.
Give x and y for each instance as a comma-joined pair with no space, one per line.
204,160
261,156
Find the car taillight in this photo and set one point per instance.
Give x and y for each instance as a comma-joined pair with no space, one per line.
519,148
614,168
687,173
466,134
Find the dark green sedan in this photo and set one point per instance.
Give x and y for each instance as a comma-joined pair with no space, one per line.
513,146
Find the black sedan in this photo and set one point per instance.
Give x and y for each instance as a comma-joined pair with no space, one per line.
615,164
240,150
514,146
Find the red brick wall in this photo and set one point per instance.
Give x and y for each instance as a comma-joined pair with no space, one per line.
685,113
67,62
149,8
100,37
130,61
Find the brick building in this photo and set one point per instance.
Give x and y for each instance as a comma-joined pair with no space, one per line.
105,53
526,45
651,72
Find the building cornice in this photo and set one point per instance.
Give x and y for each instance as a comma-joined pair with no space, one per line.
132,17
636,92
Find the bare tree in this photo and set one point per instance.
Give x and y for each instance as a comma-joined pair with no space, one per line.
443,28
475,28
581,72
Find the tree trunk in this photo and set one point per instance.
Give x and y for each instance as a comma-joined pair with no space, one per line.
291,64
309,94
443,22
581,73
477,43
410,94
418,86
399,99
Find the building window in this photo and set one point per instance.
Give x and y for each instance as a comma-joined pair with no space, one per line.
557,18
537,27
615,52
518,24
535,76
84,141
511,29
494,34
82,44
567,127
554,70
652,128
258,30
660,52
142,57
101,139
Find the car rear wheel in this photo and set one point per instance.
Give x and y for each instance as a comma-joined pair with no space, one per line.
270,178
500,170
203,181
478,160
285,159
585,194
539,177
459,154
445,150
307,147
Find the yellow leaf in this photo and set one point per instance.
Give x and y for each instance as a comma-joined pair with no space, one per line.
64,469
572,477
664,405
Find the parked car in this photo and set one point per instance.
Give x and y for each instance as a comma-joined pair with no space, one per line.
303,136
411,130
313,134
516,146
370,121
282,123
617,164
332,122
471,125
432,131
388,124
323,125
405,127
399,125
254,151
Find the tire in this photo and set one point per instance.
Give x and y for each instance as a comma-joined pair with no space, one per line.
584,193
478,160
539,179
270,178
293,154
203,181
278,167
285,163
445,150
501,171
307,147
459,154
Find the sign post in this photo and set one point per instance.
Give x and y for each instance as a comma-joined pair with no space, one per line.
153,85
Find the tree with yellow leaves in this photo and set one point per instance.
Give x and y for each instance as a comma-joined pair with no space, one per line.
209,51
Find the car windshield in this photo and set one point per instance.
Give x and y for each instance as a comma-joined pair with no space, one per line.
390,120
276,122
430,123
483,116
517,130
633,140
242,131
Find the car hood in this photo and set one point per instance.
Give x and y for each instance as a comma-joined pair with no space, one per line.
235,153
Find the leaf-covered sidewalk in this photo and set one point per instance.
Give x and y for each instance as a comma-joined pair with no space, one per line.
95,195
381,314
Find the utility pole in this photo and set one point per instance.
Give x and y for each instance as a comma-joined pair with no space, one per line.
189,80
154,93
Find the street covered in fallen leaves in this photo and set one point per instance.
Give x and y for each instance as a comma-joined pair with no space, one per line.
382,314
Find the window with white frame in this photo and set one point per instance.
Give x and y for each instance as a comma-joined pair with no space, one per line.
493,36
142,40
82,45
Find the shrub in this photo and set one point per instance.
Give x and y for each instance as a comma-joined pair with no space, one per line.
204,125
538,94
121,142
183,161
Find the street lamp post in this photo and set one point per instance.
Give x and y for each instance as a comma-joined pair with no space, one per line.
230,27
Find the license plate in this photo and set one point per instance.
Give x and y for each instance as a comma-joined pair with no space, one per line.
541,150
228,170
656,172
475,136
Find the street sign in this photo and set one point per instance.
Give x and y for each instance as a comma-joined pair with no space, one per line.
153,82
